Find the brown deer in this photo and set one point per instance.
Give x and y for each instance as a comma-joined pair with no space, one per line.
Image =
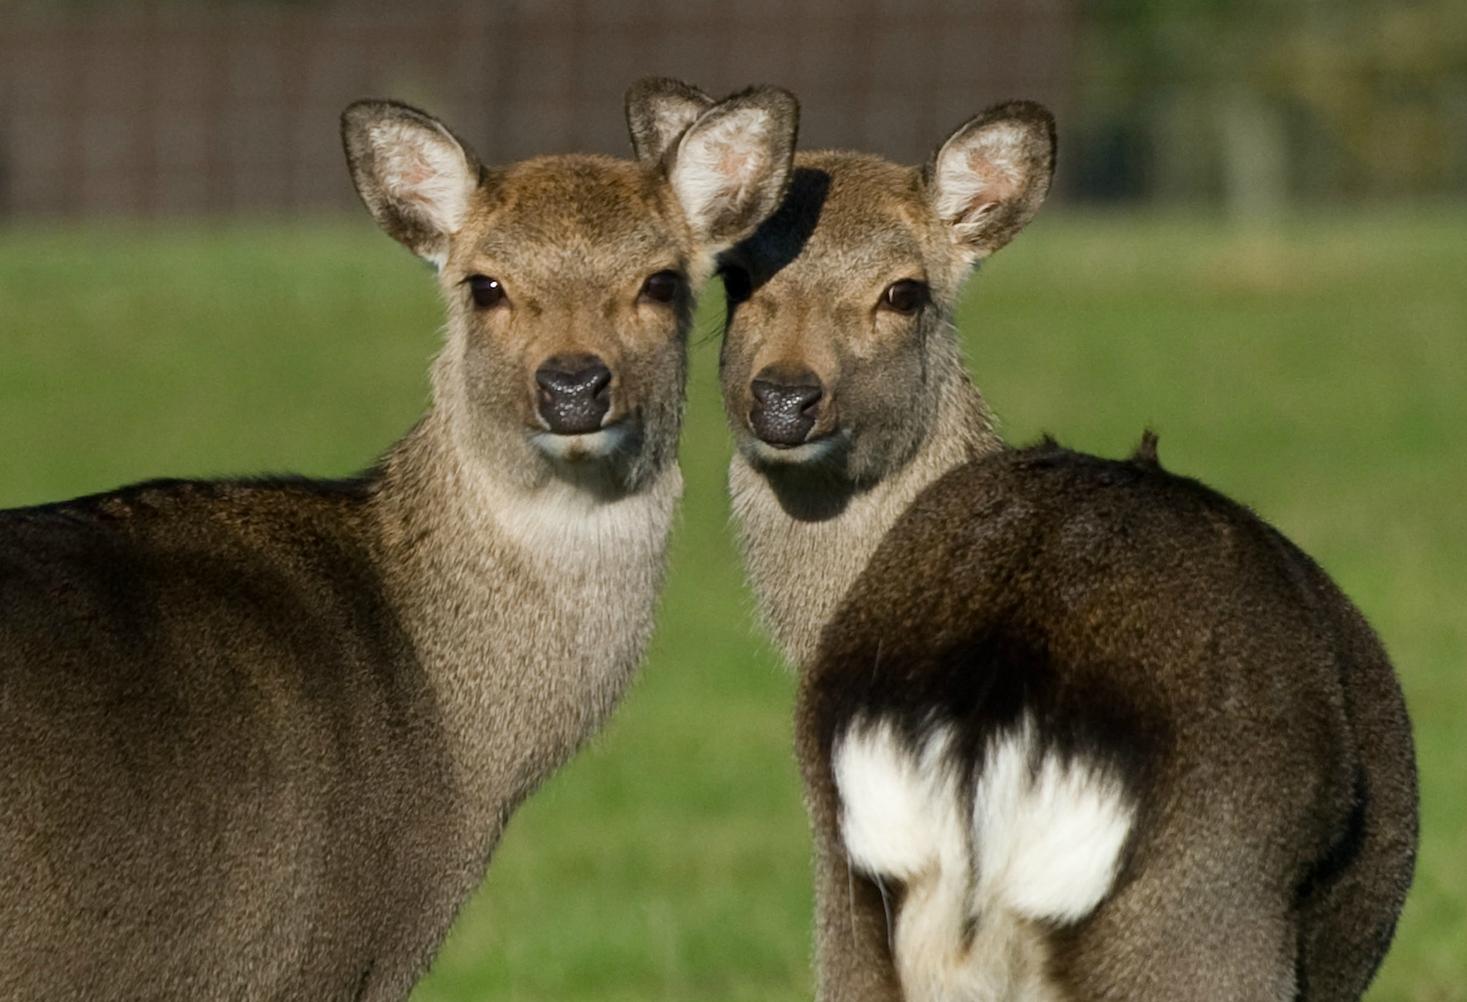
1070,728
259,738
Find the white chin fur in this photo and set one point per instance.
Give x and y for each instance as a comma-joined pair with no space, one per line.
579,448
810,452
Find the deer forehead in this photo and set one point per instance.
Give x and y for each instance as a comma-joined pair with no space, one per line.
850,221
546,213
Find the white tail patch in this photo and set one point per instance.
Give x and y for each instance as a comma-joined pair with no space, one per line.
901,815
1048,831
1043,842
902,819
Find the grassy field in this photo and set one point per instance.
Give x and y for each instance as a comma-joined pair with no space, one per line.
1317,371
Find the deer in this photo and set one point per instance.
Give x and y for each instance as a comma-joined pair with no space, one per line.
1069,727
259,738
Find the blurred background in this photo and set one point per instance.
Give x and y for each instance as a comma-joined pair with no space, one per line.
1257,244
173,108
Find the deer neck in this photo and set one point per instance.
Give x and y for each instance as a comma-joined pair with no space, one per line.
806,538
529,597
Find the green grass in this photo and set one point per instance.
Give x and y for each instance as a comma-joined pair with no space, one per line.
1317,372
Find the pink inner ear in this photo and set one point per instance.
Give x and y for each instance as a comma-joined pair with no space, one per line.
735,162
977,176
413,177
992,183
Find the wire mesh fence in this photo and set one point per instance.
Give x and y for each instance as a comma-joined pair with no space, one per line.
159,108
167,107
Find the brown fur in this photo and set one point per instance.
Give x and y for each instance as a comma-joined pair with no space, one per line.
260,738
919,571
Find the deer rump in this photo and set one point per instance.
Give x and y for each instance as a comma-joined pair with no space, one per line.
1078,714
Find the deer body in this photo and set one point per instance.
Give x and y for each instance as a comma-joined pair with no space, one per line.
1161,755
260,738
297,807
1069,728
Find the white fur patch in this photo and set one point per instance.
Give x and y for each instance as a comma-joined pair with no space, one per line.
900,815
717,164
808,452
1048,832
902,818
1043,842
425,170
976,172
590,445
576,535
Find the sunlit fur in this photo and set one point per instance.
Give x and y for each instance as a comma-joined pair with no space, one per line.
1070,728
898,411
901,407
1034,837
279,754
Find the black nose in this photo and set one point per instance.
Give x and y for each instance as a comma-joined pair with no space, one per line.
786,406
575,393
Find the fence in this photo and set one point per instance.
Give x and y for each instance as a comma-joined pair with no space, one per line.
169,108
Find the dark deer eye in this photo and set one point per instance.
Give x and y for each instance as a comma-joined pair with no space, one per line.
662,287
486,291
906,295
737,285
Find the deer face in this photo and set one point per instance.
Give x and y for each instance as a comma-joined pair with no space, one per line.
569,280
839,341
569,293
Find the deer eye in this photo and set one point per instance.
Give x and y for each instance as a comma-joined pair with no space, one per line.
662,287
737,285
906,295
486,291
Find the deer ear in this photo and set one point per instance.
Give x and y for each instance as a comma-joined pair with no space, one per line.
658,111
990,176
415,176
730,168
